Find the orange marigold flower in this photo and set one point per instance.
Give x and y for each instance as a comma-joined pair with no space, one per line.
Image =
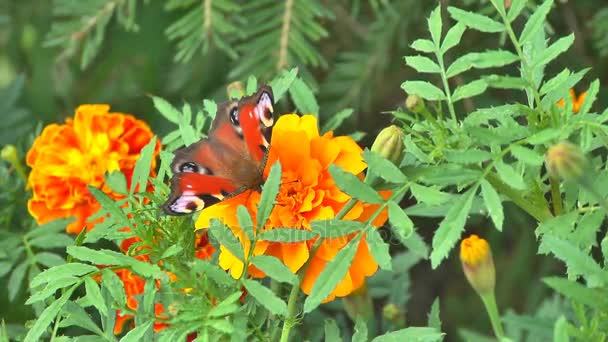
308,193
66,158
577,102
477,263
203,249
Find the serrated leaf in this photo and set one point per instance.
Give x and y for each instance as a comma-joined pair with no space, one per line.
332,333
226,238
383,167
400,222
360,334
252,85
544,136
287,235
117,182
245,221
303,98
94,295
429,195
510,176
451,227
476,21
269,194
590,97
112,283
554,50
75,315
505,82
535,22
137,334
433,318
49,259
578,262
453,37
435,25
378,249
266,297
16,279
332,228
468,156
471,89
52,241
560,330
423,45
274,268
332,275
73,269
493,203
516,7
166,109
527,155
481,60
108,257
227,306
281,83
578,292
422,64
353,186
418,334
141,171
423,89
47,316
336,120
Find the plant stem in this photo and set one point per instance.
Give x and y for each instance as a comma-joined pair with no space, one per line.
540,213
489,301
446,86
291,311
556,197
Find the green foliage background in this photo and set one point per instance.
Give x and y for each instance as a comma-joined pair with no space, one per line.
55,55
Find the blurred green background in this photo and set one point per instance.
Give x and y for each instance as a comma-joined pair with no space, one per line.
55,55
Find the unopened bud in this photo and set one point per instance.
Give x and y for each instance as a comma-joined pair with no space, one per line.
414,103
478,265
9,153
235,90
392,313
389,144
566,161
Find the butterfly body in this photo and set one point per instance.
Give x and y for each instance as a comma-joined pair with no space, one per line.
230,160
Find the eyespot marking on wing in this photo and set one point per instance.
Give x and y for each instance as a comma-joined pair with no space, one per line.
234,120
194,168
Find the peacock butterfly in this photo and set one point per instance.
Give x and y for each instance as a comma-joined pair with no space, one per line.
229,161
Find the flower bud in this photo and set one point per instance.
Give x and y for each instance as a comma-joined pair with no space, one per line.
392,313
478,265
389,144
235,90
414,103
566,161
9,153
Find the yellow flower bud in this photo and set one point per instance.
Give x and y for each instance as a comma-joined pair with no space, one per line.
566,161
389,144
478,265
414,103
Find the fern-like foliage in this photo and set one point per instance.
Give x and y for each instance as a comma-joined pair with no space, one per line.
82,24
205,23
281,36
599,24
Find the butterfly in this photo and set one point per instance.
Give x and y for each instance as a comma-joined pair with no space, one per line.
229,161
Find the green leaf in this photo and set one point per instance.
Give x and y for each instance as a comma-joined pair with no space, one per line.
451,227
274,268
422,64
360,334
434,321
468,156
221,233
287,235
535,22
550,53
471,89
435,25
141,171
423,89
108,257
578,262
423,45
416,245
353,186
505,82
137,334
52,241
332,228
590,97
73,269
269,194
510,176
117,182
401,224
281,84
578,292
560,330
336,120
94,296
453,37
516,7
166,109
112,283
227,306
47,316
481,60
252,85
266,297
527,155
16,279
332,275
429,195
49,259
493,203
476,21
245,221
378,249
332,333
383,167
303,98
418,334
544,136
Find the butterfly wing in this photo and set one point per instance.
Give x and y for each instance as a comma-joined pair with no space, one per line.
228,161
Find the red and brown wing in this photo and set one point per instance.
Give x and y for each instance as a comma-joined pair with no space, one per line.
228,161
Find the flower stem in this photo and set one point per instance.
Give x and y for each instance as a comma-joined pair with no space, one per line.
291,311
556,196
489,301
541,213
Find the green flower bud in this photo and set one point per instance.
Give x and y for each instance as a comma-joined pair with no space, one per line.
235,90
389,144
414,103
392,313
566,161
9,153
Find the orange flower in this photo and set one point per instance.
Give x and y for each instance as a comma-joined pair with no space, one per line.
66,158
307,193
203,249
134,285
576,102
477,263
